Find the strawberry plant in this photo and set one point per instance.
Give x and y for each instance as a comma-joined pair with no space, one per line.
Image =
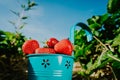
100,57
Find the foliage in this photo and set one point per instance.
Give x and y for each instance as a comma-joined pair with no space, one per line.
113,6
13,63
103,52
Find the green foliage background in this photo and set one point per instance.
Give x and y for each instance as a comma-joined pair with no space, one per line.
100,57
12,61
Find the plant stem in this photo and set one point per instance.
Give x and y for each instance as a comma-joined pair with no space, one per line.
113,73
19,22
99,61
101,42
113,57
107,49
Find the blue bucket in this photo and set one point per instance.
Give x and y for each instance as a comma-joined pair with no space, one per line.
53,66
50,67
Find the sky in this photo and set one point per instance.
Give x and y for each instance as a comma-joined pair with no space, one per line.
50,18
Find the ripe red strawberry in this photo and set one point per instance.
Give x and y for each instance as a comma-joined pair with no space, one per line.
64,47
44,50
29,46
51,42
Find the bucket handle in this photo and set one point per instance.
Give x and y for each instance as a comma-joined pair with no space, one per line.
85,28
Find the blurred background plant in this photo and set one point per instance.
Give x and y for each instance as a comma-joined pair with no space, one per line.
100,58
13,63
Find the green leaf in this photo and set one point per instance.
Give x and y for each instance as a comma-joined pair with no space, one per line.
113,6
9,35
89,64
22,25
16,13
13,23
32,4
23,6
103,18
79,51
116,64
24,17
119,49
2,36
116,41
95,26
93,20
96,33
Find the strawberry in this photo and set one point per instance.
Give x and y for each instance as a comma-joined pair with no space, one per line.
51,42
44,50
64,47
29,46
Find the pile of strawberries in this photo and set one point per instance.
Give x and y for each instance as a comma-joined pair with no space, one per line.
54,46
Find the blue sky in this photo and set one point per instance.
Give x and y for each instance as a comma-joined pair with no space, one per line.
51,18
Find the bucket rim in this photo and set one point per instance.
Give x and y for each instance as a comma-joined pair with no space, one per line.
48,54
